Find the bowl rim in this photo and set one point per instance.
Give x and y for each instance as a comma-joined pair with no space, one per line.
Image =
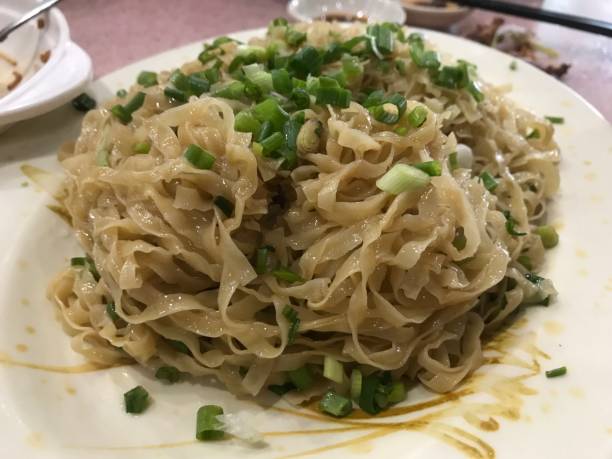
399,13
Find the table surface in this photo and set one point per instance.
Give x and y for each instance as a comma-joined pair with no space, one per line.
118,32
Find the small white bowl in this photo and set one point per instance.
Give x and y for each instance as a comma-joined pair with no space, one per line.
433,17
347,10
45,85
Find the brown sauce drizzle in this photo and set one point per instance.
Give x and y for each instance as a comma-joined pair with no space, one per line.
87,367
431,417
17,77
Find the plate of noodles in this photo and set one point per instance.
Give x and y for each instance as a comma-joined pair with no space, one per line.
309,240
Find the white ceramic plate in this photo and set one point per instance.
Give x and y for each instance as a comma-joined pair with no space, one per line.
53,406
49,85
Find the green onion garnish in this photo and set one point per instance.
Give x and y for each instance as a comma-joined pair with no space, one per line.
136,400
294,37
141,148
300,98
335,404
402,177
534,278
121,93
513,65
555,119
84,103
168,374
549,236
281,389
112,313
336,97
276,22
417,116
246,122
381,39
397,392
233,90
356,382
453,163
147,79
179,346
307,61
272,143
270,110
176,94
333,370
261,259
301,378
198,83
422,58
431,168
213,74
534,134
510,224
294,323
225,205
556,372
333,53
281,81
385,113
488,181
198,157
330,92
256,74
208,427
369,389
124,112
87,263
287,275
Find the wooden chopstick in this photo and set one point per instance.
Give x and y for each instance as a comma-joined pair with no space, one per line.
553,17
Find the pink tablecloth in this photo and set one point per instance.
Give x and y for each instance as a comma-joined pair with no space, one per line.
117,32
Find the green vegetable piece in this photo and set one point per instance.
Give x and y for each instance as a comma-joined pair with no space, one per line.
301,378
198,157
84,102
147,78
136,400
208,426
335,405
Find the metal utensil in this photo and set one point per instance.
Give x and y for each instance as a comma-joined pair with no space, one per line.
6,31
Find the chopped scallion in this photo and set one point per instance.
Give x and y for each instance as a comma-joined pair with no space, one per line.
556,372
555,119
246,122
233,90
270,110
261,259
208,427
488,181
121,93
335,404
84,103
281,389
417,116
301,378
287,275
369,389
179,346
168,374
397,392
272,143
198,157
147,79
112,313
402,177
281,81
333,370
510,225
136,400
294,323
534,134
356,382
431,168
